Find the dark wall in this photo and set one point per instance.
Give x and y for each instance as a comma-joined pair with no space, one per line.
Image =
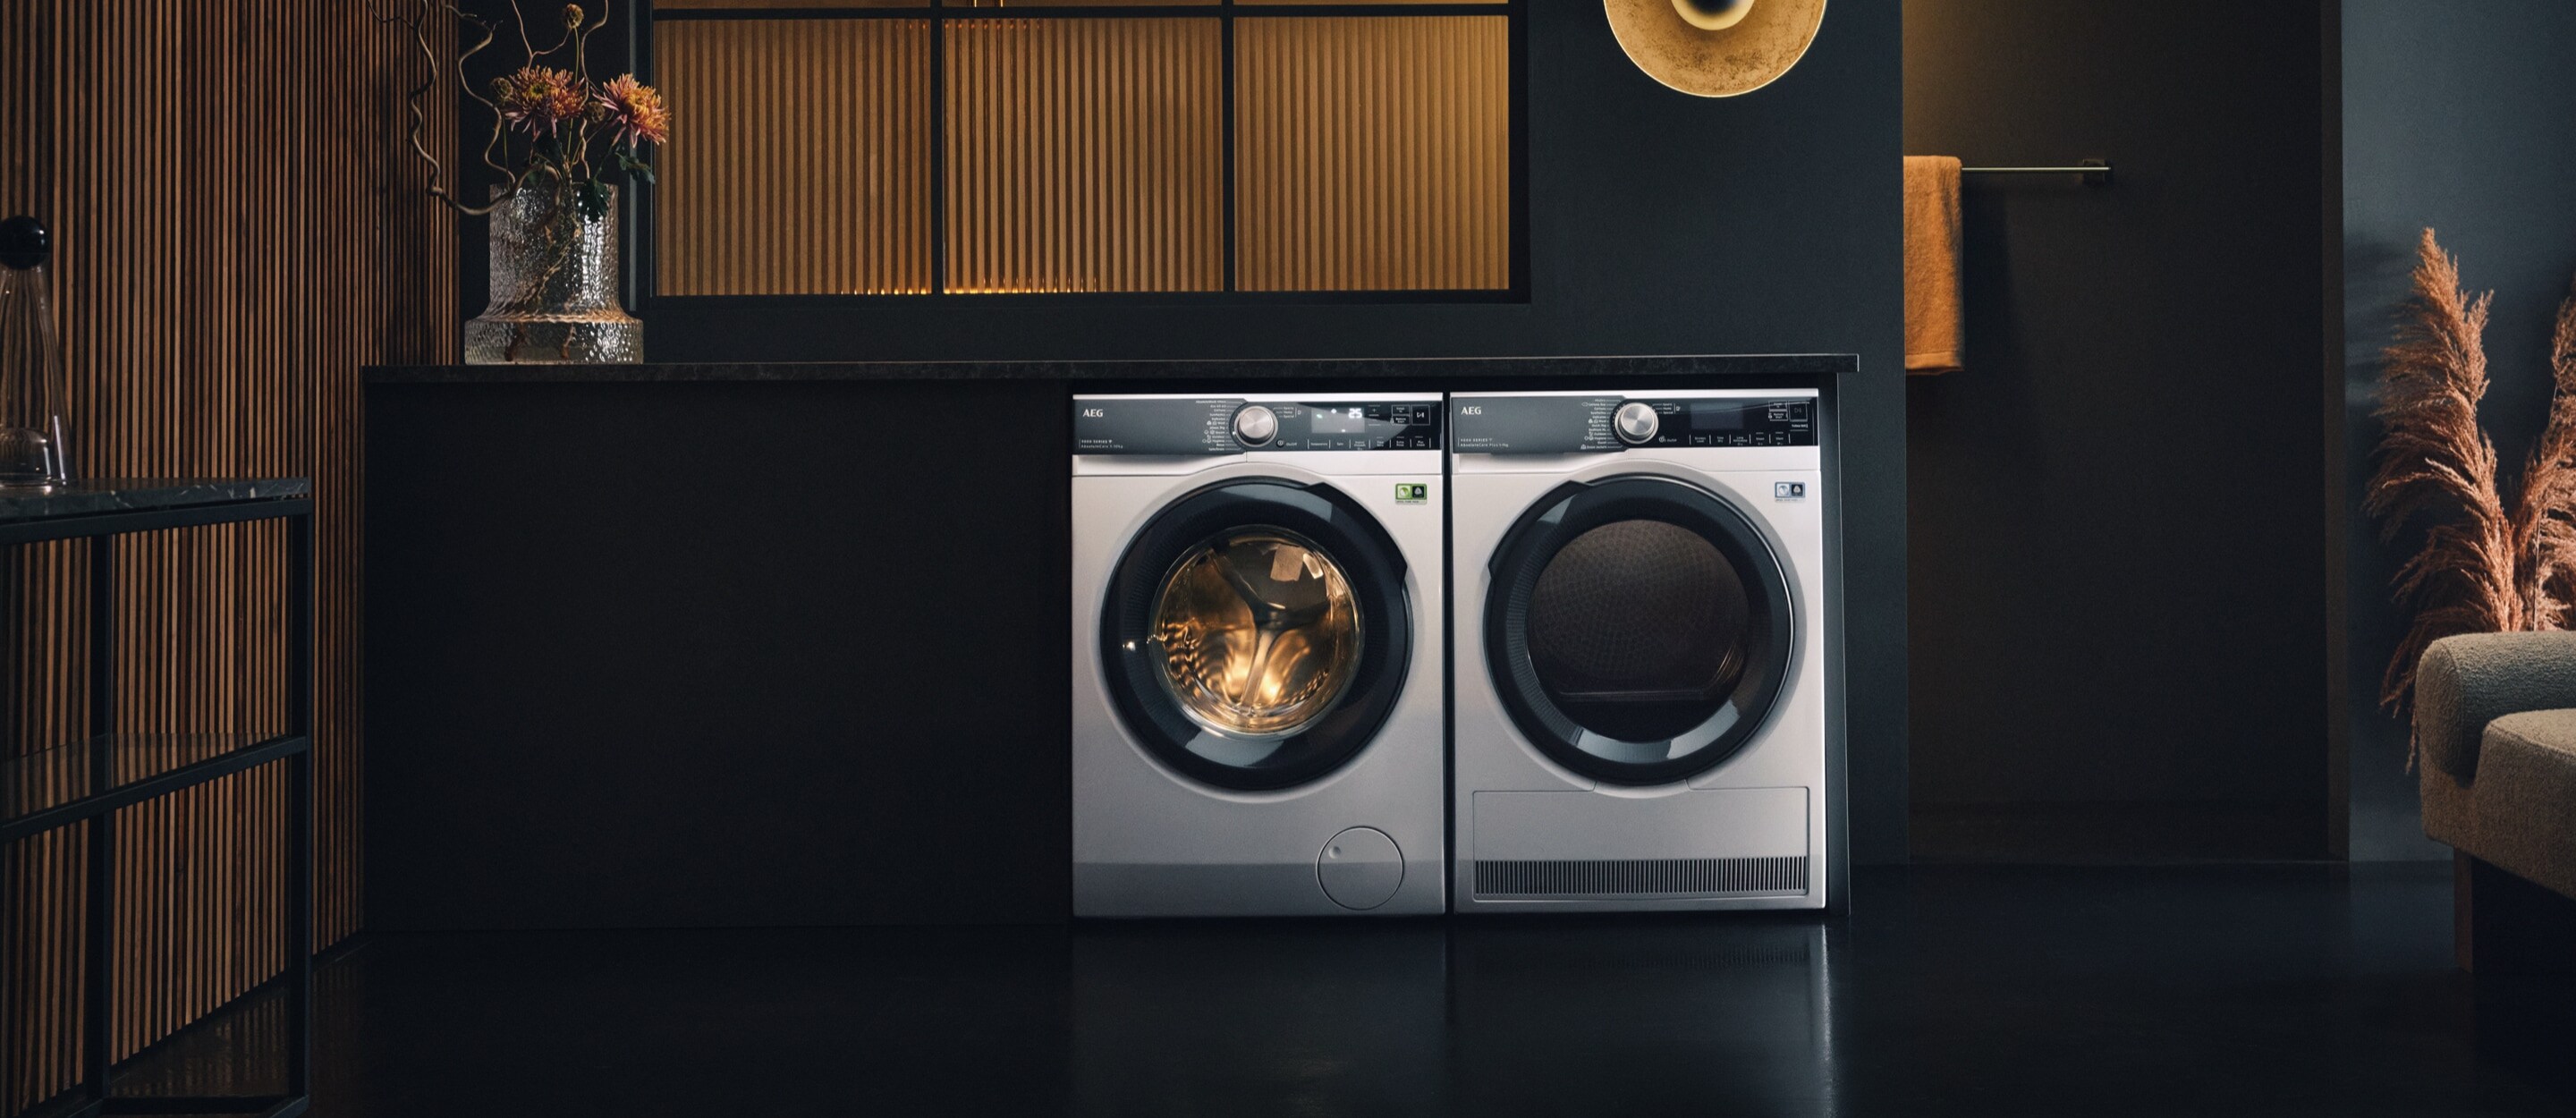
1660,223
2454,116
2115,509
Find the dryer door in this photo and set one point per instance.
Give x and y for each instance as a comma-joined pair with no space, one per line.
1638,629
1256,633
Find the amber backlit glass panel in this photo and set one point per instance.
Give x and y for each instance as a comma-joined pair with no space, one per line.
1085,155
803,166
1373,153
1355,3
772,5
989,4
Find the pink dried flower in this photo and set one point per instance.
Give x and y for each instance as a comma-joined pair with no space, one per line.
538,100
635,110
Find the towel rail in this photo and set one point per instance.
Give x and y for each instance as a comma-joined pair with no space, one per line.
2096,172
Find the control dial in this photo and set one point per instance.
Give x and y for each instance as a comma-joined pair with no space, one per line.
1256,425
1636,423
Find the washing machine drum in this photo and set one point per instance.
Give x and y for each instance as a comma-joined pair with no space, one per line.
1256,633
1638,629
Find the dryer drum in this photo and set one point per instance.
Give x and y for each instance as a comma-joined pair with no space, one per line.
1256,633
1638,629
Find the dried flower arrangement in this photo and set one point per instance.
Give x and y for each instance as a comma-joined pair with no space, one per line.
2487,565
550,124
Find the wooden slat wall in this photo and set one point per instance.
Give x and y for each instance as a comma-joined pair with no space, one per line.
804,167
1085,155
1373,154
239,228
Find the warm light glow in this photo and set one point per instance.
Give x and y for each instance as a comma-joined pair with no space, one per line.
1713,15
1257,634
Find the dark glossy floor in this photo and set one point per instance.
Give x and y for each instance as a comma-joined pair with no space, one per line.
2308,989
2114,834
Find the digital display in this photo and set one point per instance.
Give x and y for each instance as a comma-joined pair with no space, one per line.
1393,425
1718,416
1340,421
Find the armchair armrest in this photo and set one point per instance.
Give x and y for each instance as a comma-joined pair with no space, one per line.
2467,681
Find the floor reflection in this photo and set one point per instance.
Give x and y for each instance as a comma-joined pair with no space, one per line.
1477,1016
1259,1019
1645,1017
2310,989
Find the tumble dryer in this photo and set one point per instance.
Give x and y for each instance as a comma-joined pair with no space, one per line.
1258,718
1640,717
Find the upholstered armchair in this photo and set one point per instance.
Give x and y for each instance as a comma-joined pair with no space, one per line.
2495,715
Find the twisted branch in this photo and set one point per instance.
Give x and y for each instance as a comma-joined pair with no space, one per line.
419,27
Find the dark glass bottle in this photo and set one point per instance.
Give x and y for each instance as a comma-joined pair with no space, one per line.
32,451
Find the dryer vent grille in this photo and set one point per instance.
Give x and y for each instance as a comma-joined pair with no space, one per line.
1657,877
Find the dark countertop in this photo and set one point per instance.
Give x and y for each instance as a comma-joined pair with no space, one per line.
106,495
1446,368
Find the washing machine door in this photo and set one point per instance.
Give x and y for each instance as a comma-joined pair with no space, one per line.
1638,629
1256,633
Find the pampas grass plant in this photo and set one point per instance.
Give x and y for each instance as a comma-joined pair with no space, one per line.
2488,565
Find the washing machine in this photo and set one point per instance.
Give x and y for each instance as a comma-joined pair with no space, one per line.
1259,722
1640,687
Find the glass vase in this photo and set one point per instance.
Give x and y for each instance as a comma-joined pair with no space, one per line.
33,454
554,285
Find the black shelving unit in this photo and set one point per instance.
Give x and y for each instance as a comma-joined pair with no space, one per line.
85,781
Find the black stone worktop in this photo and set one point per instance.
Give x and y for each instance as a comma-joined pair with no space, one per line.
107,495
1443,368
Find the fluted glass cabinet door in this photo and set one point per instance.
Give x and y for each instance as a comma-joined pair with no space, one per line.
1067,147
803,164
1373,154
1085,155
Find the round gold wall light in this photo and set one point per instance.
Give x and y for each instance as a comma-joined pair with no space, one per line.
1715,48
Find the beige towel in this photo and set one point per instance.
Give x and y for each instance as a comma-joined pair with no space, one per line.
1935,336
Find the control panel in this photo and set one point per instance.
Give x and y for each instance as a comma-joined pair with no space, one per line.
1233,425
1601,424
